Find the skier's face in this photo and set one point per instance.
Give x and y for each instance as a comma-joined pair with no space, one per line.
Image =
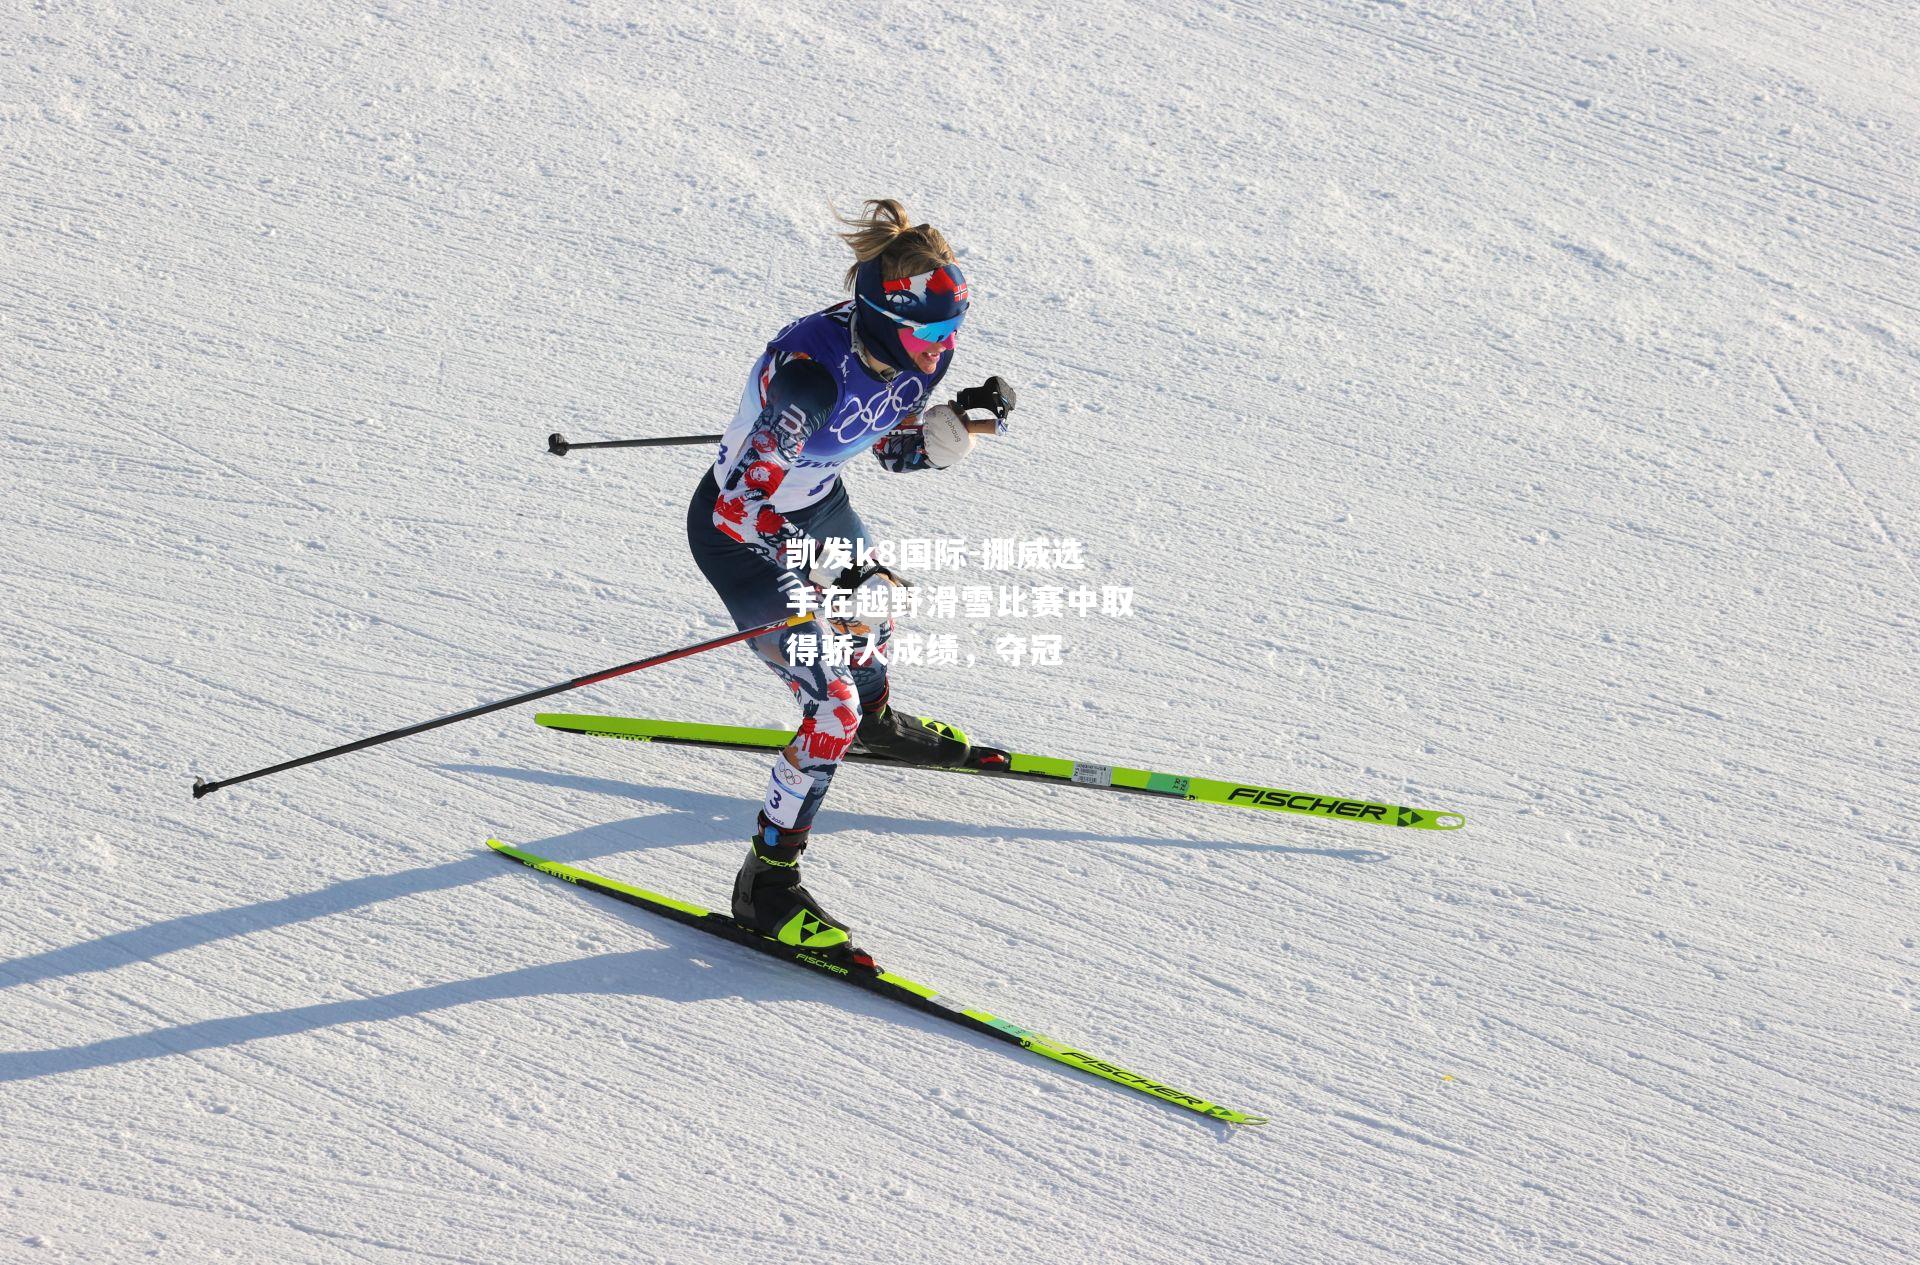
926,352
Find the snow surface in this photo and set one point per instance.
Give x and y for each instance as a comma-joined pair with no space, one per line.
1507,408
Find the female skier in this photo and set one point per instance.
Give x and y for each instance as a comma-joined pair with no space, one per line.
853,377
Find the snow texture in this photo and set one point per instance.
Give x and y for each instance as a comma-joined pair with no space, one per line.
1499,407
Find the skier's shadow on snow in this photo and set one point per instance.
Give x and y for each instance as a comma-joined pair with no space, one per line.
677,970
661,972
658,972
692,818
709,804
669,829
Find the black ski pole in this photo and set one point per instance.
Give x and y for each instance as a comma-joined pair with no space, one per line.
994,395
558,445
203,787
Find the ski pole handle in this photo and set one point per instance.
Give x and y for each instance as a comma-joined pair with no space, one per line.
996,396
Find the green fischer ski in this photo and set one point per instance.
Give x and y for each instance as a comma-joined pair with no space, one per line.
885,983
1030,768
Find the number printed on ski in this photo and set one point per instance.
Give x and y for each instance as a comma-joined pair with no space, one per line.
1022,766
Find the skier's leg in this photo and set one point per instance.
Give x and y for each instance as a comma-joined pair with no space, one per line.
767,893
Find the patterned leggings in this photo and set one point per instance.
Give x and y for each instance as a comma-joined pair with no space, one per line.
833,697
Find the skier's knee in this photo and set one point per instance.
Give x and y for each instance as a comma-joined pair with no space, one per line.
829,727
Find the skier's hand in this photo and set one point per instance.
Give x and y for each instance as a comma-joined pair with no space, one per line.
948,435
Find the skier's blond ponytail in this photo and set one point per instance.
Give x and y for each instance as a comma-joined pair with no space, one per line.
884,234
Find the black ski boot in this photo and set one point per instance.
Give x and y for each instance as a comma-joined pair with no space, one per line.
910,739
768,898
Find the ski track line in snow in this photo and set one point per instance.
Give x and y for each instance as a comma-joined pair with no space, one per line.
1871,516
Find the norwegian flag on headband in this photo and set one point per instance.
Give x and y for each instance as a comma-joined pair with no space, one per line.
927,289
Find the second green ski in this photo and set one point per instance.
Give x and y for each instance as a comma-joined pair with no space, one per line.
1021,766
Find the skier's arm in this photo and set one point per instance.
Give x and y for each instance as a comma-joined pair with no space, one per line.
942,436
800,398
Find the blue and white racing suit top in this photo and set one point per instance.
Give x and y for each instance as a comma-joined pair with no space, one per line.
810,406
